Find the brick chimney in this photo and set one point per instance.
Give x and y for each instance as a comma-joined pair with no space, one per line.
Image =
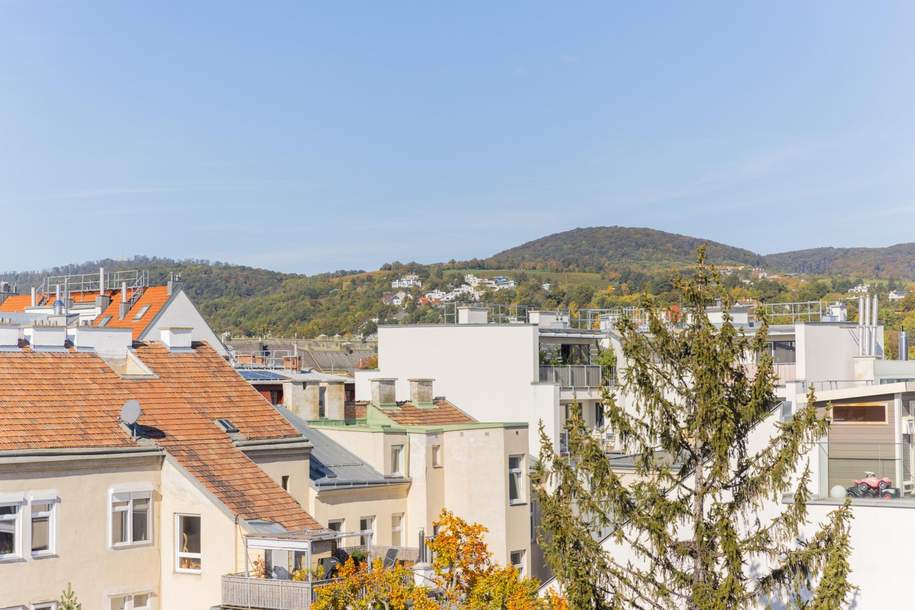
383,392
421,392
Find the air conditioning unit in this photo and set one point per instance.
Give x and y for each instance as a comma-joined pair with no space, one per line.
908,425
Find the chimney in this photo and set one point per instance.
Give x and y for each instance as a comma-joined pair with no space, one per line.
903,345
472,314
101,281
334,400
109,343
312,401
421,392
47,338
176,338
383,392
124,307
10,334
34,297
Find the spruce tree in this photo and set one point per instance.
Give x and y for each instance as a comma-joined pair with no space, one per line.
68,600
691,522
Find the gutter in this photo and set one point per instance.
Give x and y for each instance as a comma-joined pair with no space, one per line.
298,442
18,456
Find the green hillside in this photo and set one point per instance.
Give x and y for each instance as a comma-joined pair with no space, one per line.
604,248
891,261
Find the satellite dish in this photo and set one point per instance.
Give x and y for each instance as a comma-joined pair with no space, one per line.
131,412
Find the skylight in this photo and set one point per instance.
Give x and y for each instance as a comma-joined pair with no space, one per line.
227,426
142,312
104,321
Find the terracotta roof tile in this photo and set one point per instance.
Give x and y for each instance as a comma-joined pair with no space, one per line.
154,298
441,413
72,400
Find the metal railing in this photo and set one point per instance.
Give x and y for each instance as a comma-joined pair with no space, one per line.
848,461
272,359
572,375
89,282
240,591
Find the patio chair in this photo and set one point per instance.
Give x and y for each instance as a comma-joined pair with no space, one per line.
390,558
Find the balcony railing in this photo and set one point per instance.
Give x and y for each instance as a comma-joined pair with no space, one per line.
846,462
572,375
240,591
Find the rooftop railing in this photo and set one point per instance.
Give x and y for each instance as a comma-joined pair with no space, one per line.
273,359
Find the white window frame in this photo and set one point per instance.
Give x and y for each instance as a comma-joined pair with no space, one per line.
397,526
342,523
179,555
52,500
437,456
17,519
371,537
129,495
44,606
129,600
397,465
518,566
518,474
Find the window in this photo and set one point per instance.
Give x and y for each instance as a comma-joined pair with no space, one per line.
137,601
104,321
45,606
396,528
44,527
517,561
516,479
227,426
859,414
598,415
367,524
322,398
10,537
436,456
336,524
187,537
131,518
783,352
285,481
141,312
397,460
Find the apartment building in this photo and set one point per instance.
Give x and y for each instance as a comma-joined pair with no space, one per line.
119,299
148,474
518,366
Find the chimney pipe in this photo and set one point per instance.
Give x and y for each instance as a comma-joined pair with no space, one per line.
101,280
903,345
874,324
123,308
34,297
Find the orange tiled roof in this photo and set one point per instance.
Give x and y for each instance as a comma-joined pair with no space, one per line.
407,414
155,297
17,303
72,400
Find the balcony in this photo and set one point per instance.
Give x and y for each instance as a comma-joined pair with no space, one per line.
841,463
582,376
240,591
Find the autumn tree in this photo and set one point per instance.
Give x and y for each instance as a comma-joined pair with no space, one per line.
687,532
364,587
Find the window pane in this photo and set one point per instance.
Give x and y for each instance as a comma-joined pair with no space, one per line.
141,601
8,509
119,527
337,526
513,487
190,535
514,462
41,534
119,603
859,413
7,537
395,530
141,520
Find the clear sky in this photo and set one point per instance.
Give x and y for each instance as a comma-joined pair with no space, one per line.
318,136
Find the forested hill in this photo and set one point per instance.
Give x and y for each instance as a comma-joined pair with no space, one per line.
892,261
603,248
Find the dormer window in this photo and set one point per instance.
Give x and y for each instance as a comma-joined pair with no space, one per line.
227,426
104,321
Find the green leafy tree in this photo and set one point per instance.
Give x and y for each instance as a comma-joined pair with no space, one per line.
691,522
68,600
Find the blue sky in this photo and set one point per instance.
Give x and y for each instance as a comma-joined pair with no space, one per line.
309,137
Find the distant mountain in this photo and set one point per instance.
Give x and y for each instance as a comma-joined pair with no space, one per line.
599,248
892,261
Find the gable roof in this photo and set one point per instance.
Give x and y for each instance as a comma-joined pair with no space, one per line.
51,400
17,303
154,299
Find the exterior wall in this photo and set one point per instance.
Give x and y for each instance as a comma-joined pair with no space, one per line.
353,503
825,352
366,444
291,463
222,543
181,312
476,486
83,556
486,369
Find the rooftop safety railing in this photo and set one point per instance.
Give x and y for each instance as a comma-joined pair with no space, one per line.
91,282
274,359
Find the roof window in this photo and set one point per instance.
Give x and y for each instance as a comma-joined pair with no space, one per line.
104,321
142,312
227,426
